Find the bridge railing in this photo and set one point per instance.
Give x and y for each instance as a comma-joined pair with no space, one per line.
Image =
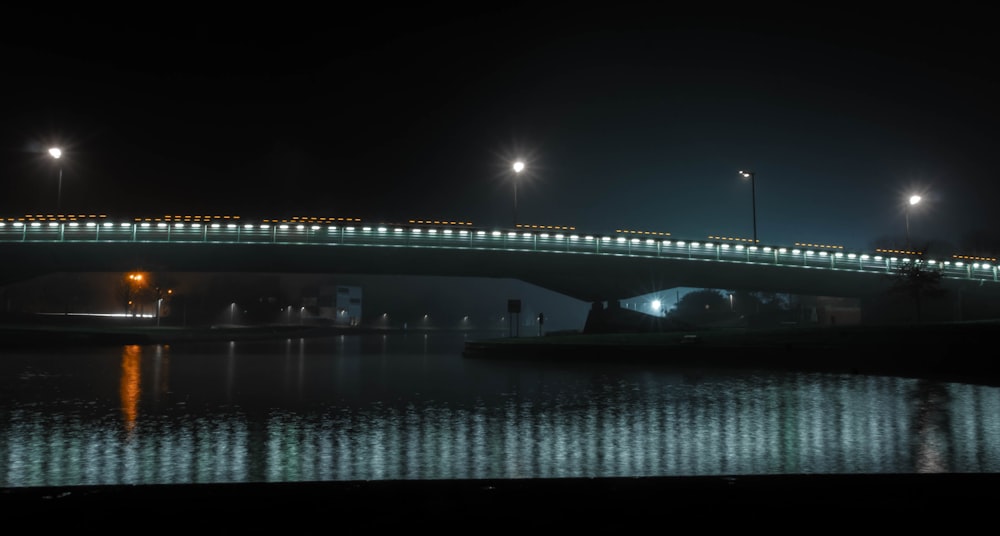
472,238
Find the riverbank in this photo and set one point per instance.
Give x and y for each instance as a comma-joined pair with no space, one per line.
52,336
615,504
952,351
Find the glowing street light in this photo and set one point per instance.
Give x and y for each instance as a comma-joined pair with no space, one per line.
518,168
57,154
913,200
753,194
133,285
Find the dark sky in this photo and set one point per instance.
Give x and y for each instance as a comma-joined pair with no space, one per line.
627,118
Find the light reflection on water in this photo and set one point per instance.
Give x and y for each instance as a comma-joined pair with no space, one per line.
409,406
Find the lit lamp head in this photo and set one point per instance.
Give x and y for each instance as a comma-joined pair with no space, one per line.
518,168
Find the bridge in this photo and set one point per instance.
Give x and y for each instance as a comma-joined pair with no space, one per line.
590,267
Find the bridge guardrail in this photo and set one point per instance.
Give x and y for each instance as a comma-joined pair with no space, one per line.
473,238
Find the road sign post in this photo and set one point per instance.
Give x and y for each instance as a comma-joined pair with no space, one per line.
514,313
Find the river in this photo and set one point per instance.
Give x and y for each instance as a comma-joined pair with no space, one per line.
409,407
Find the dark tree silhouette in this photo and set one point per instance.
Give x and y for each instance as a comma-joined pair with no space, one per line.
700,301
130,287
918,280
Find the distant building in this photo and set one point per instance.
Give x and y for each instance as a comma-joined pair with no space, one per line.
828,311
336,304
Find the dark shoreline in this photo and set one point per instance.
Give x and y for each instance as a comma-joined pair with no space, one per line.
53,336
49,335
513,503
951,351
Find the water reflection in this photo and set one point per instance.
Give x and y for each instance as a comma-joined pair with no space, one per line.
130,385
161,373
930,428
342,409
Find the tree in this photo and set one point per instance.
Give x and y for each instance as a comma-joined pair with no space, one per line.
130,285
917,280
699,301
773,301
134,290
753,302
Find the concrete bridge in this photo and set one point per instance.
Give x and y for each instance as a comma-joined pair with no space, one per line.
589,267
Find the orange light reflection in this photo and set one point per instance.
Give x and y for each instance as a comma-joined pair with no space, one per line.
130,387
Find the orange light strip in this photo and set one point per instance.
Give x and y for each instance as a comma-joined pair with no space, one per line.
898,251
546,227
55,217
654,233
731,238
439,222
314,219
973,258
821,246
186,218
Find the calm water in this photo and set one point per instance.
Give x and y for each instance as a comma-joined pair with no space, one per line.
409,406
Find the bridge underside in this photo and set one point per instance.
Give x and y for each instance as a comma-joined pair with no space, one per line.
587,277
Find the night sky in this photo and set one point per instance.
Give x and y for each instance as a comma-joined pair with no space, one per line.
627,119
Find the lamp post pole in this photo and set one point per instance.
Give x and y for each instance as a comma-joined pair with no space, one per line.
57,153
518,168
913,200
753,198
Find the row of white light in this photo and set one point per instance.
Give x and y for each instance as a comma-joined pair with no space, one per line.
511,234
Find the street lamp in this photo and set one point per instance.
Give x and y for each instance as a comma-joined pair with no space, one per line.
57,153
518,168
753,193
159,302
913,200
